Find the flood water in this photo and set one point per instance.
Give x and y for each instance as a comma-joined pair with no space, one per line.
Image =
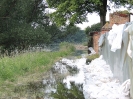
61,70
53,79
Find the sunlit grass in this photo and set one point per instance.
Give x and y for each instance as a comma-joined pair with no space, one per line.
23,68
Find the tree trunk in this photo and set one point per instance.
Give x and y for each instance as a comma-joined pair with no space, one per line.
102,13
103,19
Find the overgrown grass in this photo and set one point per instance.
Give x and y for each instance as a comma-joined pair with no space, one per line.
14,70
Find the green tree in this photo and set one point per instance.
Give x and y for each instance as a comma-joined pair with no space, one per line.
16,18
24,23
77,37
131,3
93,28
75,11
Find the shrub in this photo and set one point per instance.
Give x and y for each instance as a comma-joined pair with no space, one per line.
91,57
24,63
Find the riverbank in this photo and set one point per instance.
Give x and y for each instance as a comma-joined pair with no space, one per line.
30,75
27,69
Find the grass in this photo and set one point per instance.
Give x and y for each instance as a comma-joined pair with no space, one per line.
28,67
91,57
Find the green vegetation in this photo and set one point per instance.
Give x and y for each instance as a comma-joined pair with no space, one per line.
130,2
26,23
93,28
123,12
91,57
65,45
27,67
77,37
64,93
18,20
76,11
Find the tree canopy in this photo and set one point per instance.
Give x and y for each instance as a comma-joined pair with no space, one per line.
16,17
25,22
93,28
75,11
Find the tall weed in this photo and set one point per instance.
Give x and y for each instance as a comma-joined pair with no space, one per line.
26,63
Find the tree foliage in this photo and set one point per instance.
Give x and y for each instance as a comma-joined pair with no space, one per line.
78,37
25,22
16,18
93,28
130,2
75,11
